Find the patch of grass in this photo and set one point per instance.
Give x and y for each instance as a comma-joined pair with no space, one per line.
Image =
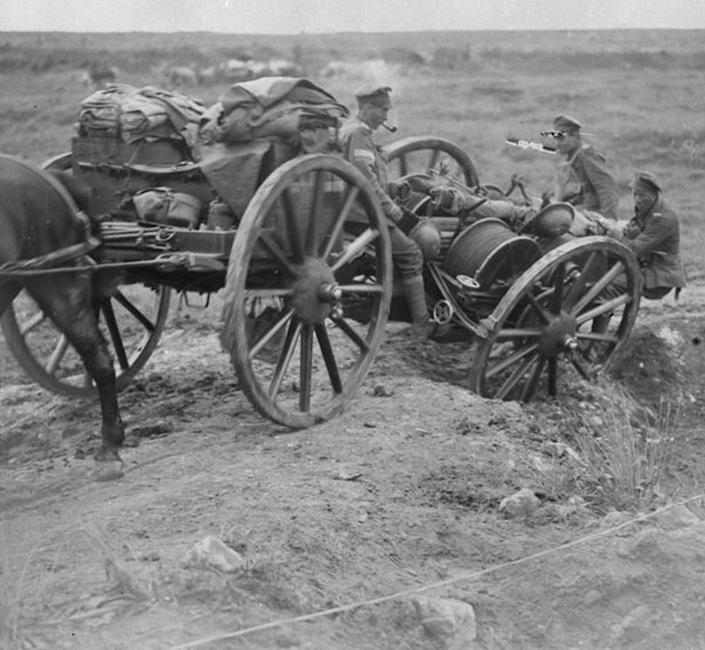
623,462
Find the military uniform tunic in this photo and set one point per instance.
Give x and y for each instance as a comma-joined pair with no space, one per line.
360,149
583,180
655,240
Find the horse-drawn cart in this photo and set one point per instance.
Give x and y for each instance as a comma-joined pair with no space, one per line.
307,281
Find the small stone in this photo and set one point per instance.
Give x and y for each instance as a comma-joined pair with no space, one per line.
519,504
212,553
382,391
591,597
451,622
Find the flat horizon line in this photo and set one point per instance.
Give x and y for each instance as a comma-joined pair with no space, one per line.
623,28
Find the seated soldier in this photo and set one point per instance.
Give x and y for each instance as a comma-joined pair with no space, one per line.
359,147
653,234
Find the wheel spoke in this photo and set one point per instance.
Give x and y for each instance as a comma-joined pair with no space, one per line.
577,287
530,386
362,287
552,376
132,308
292,335
536,306
403,165
355,248
347,329
558,285
603,308
337,230
57,355
271,333
579,367
517,333
313,219
329,358
435,155
33,322
306,368
597,336
115,335
515,377
292,225
267,240
511,359
598,287
268,293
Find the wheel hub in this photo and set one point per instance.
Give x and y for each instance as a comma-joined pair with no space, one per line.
316,292
558,335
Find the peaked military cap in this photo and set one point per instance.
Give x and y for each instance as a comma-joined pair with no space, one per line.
371,89
647,181
566,122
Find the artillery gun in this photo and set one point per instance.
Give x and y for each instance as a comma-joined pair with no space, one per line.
306,276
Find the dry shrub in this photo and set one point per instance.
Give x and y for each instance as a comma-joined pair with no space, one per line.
624,461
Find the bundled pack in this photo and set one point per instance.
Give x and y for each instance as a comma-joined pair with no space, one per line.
269,107
131,114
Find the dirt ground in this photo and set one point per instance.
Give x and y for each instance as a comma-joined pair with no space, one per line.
394,502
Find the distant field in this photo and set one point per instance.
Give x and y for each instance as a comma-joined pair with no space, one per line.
640,94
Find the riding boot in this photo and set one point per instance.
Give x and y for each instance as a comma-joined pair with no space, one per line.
415,295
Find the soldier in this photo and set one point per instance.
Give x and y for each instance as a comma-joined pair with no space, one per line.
582,180
359,148
654,236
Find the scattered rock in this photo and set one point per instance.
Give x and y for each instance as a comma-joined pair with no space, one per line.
382,391
449,621
347,475
212,553
591,597
519,504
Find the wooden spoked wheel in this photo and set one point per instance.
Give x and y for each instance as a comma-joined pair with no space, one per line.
302,253
423,154
564,317
131,318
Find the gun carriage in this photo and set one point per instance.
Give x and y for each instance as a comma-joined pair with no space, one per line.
306,276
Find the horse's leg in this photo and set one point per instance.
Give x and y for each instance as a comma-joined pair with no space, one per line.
69,304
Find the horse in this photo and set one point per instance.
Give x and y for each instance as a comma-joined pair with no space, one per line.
40,216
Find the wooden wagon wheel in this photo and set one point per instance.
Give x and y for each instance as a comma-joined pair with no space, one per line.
568,313
419,154
300,255
132,320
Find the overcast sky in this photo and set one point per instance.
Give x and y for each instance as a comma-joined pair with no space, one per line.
295,16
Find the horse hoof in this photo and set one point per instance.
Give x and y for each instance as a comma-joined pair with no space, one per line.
108,471
107,454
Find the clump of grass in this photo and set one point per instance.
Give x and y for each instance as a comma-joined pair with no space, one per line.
623,459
